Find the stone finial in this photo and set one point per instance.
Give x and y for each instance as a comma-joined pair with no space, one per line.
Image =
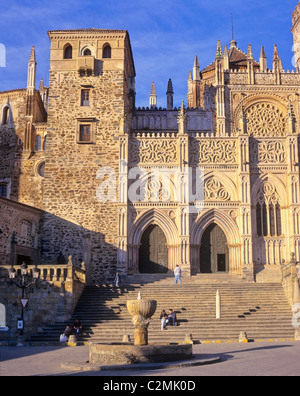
263,59
196,69
226,58
182,120
250,52
170,87
31,77
32,55
170,94
275,53
153,97
219,49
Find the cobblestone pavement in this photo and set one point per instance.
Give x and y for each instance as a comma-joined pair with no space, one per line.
252,359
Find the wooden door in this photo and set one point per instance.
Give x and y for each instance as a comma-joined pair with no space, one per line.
153,257
214,251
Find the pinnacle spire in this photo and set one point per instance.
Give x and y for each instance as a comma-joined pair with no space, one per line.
219,49
263,53
263,60
32,55
153,97
196,69
275,54
31,77
170,93
153,91
170,87
250,52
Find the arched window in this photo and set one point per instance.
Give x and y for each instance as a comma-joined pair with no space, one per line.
5,115
38,143
107,51
268,212
41,169
68,52
45,143
87,52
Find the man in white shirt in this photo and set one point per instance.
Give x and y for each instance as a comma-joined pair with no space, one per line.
177,273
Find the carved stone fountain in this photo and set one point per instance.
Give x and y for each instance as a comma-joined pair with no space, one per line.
141,352
141,312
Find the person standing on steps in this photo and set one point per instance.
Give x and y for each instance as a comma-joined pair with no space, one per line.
117,279
177,273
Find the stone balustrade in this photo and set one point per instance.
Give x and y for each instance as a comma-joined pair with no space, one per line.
52,298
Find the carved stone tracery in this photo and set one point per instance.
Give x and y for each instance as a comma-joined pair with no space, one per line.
267,152
213,151
215,191
266,120
154,151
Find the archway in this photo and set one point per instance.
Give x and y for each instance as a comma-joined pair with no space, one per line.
153,254
214,251
152,217
231,234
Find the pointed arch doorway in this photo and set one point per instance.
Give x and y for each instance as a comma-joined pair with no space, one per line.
214,252
153,254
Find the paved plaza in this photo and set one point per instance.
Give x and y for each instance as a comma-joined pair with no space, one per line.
252,359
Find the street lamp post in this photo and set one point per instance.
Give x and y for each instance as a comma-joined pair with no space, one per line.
23,284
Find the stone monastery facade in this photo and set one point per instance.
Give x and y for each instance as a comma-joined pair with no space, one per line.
83,172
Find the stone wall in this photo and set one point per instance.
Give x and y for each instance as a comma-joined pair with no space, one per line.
19,237
74,169
52,298
19,161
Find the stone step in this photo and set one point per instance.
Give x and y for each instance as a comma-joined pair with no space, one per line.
260,309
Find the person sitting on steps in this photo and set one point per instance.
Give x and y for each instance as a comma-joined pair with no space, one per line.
164,322
172,317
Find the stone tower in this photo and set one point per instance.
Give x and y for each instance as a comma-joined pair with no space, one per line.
92,85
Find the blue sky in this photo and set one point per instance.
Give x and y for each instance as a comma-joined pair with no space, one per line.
165,35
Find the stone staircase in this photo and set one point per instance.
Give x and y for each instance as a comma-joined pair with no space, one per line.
261,310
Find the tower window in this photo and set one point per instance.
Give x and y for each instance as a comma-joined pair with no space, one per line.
5,115
68,54
3,190
85,133
85,97
107,51
38,143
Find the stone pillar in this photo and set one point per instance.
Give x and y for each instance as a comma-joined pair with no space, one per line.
220,95
245,209
293,187
184,212
122,255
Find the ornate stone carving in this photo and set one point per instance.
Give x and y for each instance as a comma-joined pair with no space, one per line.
215,191
267,194
154,151
266,120
212,151
267,152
